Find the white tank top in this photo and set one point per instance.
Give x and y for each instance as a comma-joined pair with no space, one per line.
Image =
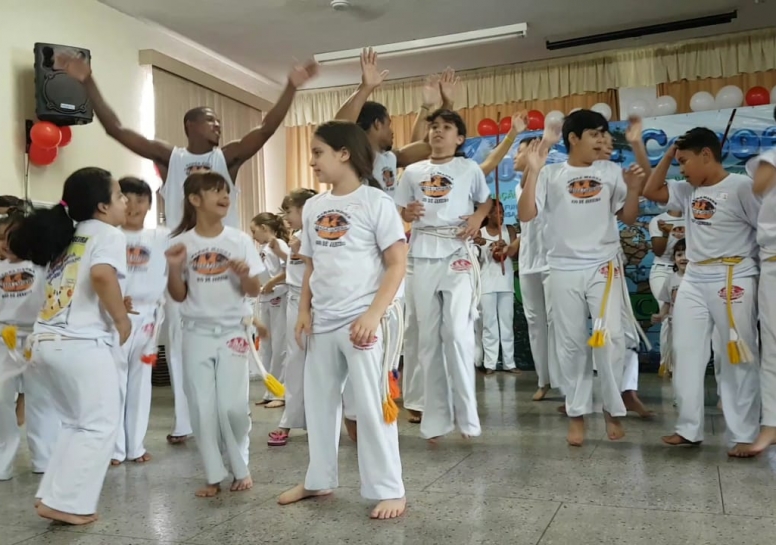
183,163
492,278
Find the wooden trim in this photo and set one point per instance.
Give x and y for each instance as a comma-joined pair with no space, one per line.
183,70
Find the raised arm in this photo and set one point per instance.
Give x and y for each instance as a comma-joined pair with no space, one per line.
634,136
371,79
656,189
494,158
526,205
764,178
634,180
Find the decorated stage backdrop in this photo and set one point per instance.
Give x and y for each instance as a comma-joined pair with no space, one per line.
752,131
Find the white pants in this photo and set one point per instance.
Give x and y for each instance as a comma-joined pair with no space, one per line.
331,359
272,351
535,293
630,375
217,384
293,413
174,352
767,303
412,374
446,345
700,308
82,380
577,295
658,276
134,391
498,311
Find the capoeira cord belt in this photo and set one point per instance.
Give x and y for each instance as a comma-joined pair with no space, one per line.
452,233
273,385
738,351
389,385
15,364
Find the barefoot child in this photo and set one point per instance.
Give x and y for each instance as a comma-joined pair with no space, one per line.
580,201
718,292
354,248
74,340
270,232
213,268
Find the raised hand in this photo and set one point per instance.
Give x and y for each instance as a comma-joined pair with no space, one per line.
294,244
536,156
176,254
302,73
634,177
432,95
520,122
633,132
371,76
75,67
552,135
447,85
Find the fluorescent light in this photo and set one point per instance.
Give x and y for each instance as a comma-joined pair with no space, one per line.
450,41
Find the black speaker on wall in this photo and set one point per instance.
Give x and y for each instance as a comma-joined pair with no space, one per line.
59,98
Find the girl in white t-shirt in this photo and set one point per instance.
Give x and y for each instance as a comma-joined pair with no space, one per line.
270,232
74,340
667,297
213,268
21,296
293,414
354,249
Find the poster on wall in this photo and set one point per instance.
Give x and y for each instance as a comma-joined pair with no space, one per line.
753,130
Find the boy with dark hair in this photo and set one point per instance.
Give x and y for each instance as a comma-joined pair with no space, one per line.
719,287
580,201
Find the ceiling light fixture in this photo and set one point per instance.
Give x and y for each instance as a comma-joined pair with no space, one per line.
425,45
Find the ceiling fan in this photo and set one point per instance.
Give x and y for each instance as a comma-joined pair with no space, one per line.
363,10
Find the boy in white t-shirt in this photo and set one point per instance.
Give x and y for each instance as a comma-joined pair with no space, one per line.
438,197
580,201
718,291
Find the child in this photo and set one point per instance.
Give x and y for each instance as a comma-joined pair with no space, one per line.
667,297
74,339
354,249
438,197
293,414
270,232
21,297
213,269
498,291
145,288
718,290
580,201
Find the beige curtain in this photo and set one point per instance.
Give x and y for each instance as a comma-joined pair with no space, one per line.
682,91
174,96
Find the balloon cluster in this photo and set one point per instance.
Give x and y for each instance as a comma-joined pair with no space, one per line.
489,127
46,139
732,96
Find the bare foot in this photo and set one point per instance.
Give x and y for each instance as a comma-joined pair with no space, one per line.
115,462
143,459
262,402
242,484
389,509
415,416
766,438
434,441
741,450
562,409
47,512
614,429
299,493
634,404
208,491
20,411
541,393
677,440
276,404
177,439
37,502
352,428
489,372
576,434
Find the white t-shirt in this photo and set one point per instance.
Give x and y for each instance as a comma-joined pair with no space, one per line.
72,307
670,288
448,192
578,206
183,163
146,267
22,292
532,255
295,268
721,222
491,277
345,236
214,294
274,266
384,171
766,221
677,233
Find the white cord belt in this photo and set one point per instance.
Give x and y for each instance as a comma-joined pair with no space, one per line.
626,300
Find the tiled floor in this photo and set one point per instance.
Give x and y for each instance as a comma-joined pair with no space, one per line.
517,484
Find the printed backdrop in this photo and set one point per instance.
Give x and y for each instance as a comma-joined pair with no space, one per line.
752,130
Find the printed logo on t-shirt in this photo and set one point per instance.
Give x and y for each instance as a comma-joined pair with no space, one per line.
61,282
735,294
275,302
330,227
138,257
238,345
388,177
461,265
194,168
584,190
605,271
703,208
148,329
211,265
678,232
295,259
369,345
436,189
17,283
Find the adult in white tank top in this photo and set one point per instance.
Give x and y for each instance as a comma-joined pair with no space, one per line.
203,132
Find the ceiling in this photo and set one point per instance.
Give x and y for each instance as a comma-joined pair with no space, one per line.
265,36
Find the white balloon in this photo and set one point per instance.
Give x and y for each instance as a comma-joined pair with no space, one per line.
603,109
665,105
553,117
773,95
702,102
730,96
639,108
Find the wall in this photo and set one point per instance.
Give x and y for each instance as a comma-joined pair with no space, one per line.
275,170
114,40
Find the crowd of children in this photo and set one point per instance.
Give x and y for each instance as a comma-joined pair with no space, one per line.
335,286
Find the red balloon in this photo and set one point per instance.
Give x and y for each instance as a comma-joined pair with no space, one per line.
42,156
67,136
758,96
487,127
45,134
535,120
505,125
